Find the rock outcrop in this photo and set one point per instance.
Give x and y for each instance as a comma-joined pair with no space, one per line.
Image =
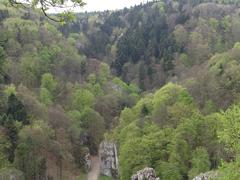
211,175
87,162
108,159
145,174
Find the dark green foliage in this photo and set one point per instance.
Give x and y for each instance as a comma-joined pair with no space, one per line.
148,36
154,35
4,76
3,14
2,56
29,153
93,124
17,110
12,133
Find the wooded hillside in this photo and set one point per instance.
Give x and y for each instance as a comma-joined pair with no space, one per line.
161,80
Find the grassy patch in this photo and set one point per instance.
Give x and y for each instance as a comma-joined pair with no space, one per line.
106,178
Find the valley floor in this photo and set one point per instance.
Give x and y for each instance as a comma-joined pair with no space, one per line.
95,170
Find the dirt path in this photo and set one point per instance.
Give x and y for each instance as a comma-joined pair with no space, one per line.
95,170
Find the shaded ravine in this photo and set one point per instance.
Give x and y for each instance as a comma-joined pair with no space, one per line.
95,168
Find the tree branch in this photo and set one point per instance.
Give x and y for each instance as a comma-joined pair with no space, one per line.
44,5
45,13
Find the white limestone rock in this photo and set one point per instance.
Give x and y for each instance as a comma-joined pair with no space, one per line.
145,174
211,175
108,159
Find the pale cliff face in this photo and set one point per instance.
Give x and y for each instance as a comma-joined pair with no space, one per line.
108,159
145,174
206,176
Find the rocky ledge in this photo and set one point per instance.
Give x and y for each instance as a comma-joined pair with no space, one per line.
108,159
206,176
145,174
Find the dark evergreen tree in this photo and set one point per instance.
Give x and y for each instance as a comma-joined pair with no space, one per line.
12,133
17,110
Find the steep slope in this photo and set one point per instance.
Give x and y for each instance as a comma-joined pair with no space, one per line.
60,96
56,104
154,42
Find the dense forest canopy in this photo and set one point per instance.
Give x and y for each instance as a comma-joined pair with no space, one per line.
144,44
160,80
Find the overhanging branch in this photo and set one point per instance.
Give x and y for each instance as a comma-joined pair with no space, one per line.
44,5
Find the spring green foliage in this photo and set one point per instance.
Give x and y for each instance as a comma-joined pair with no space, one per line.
160,79
200,162
228,134
104,73
169,104
184,150
183,146
48,83
230,128
46,97
55,106
82,99
229,171
11,89
47,89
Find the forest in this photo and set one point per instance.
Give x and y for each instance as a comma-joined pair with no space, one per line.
161,80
